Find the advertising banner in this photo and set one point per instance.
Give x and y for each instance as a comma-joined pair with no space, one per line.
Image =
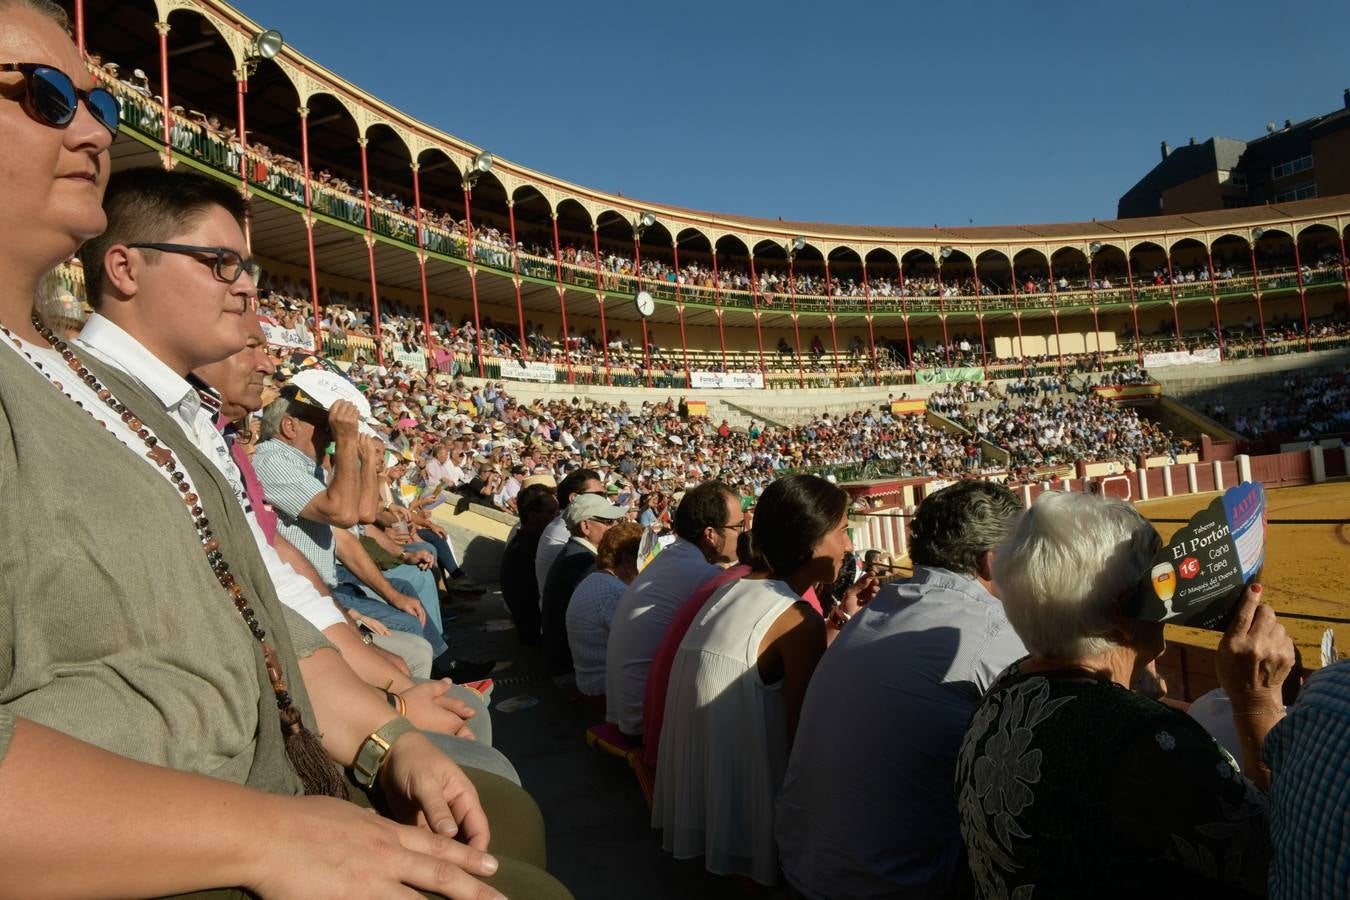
1181,358
947,376
530,371
731,380
415,360
1200,575
287,338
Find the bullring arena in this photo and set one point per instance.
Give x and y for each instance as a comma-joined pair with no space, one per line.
1160,359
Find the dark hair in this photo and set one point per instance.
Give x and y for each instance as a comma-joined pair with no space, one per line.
532,498
150,204
702,507
961,521
792,516
572,483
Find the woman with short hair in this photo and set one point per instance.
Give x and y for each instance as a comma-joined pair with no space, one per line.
593,603
738,681
1069,783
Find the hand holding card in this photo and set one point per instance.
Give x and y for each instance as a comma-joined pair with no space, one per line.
1199,576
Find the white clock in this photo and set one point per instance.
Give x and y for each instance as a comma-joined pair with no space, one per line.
645,304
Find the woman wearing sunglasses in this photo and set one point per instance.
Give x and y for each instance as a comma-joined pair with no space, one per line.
141,677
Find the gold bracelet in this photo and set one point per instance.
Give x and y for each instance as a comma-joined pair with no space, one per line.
402,705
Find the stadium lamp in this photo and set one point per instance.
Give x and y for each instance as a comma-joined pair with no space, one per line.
944,253
265,45
795,246
1257,232
481,165
646,219
1094,248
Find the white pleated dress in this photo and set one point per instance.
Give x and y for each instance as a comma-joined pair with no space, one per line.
724,745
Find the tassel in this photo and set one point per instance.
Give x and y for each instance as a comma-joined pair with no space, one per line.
319,775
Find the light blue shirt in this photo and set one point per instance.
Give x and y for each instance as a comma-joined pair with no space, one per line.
867,808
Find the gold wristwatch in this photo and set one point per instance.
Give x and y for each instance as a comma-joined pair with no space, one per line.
375,748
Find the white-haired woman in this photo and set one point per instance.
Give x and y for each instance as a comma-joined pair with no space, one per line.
1069,783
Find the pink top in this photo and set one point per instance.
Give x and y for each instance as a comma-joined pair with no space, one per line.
267,520
658,677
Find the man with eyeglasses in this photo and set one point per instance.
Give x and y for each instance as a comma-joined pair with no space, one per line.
708,523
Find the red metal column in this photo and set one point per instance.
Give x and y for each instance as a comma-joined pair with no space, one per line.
473,277
1054,311
717,296
979,314
422,264
79,25
370,253
562,300
871,335
515,277
796,329
243,132
834,335
637,270
1172,292
1134,309
942,311
600,299
1017,317
309,229
679,308
759,333
1214,297
1302,297
1256,291
1096,323
163,29
904,317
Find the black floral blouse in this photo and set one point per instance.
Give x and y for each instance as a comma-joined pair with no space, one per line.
1070,786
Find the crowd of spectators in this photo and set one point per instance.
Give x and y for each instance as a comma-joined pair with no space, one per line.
1310,406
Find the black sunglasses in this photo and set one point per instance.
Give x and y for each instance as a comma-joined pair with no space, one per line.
53,97
229,265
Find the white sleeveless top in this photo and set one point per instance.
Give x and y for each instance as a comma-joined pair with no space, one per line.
724,744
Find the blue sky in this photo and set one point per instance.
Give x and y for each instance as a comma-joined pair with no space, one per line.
890,113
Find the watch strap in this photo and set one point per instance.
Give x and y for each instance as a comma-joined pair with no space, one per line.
375,748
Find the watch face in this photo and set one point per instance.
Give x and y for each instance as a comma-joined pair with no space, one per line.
645,304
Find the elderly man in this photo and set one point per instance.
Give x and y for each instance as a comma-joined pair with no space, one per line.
556,535
588,517
926,650
707,524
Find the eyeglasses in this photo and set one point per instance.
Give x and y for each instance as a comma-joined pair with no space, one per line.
228,264
739,526
52,97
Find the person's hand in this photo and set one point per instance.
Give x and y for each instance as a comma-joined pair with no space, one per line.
410,605
422,786
325,847
401,513
1255,655
343,417
420,558
434,528
375,625
859,594
431,708
370,451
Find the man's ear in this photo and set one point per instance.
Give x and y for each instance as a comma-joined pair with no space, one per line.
984,565
121,272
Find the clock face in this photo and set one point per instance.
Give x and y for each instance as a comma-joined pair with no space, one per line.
645,304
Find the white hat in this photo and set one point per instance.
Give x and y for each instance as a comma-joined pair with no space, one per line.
322,388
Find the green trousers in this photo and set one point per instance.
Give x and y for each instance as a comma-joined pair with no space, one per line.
517,843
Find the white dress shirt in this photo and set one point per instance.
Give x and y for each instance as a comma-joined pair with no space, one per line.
107,341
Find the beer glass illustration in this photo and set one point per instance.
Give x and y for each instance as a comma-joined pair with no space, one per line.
1165,586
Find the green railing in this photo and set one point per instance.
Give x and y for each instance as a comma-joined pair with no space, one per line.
144,116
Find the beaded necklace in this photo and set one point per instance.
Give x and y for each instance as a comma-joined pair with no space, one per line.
299,741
